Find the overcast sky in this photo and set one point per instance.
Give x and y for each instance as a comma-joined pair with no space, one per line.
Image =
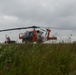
48,13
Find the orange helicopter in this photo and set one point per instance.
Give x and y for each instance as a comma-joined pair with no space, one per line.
33,35
36,35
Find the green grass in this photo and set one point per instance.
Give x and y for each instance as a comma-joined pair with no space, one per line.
38,59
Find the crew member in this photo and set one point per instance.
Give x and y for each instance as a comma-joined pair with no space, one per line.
7,39
39,36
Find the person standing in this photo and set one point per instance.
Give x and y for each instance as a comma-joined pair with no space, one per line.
39,36
7,40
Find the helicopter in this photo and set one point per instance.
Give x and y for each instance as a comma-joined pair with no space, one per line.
32,35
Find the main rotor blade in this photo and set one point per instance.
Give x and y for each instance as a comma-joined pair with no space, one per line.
13,29
18,28
59,28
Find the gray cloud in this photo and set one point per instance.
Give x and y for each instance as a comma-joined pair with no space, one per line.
39,10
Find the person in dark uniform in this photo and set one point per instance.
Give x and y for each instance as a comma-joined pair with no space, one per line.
39,36
7,40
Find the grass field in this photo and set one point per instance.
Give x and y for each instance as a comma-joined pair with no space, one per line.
38,59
